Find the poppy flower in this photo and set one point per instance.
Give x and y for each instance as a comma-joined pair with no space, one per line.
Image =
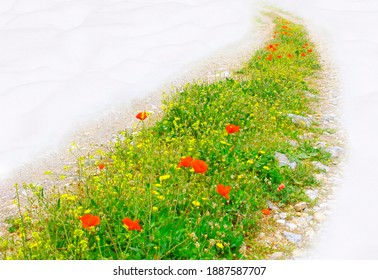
270,57
279,56
303,54
141,116
266,211
199,166
185,162
290,55
232,128
281,187
101,166
309,50
272,47
224,191
89,220
131,225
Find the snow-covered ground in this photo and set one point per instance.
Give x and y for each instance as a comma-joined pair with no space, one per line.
349,29
64,63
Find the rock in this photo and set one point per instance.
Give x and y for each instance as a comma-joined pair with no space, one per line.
293,143
300,206
292,237
284,161
276,256
272,206
283,215
312,194
309,218
281,221
291,226
328,118
300,119
302,222
335,151
320,217
320,166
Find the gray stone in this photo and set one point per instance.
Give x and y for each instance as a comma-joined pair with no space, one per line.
309,218
291,226
281,221
335,151
292,237
328,118
312,194
320,166
284,161
302,222
300,206
272,206
293,143
306,121
283,215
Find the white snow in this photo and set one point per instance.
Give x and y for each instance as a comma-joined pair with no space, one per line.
64,63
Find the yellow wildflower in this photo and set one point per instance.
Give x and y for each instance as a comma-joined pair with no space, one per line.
164,177
196,203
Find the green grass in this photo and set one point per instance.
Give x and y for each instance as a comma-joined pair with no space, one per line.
180,211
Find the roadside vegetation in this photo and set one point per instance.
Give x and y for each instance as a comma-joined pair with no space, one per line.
196,182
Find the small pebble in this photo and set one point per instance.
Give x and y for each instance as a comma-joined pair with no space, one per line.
300,206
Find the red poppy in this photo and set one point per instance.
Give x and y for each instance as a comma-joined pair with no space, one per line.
303,54
89,220
270,57
232,128
141,115
101,166
279,56
290,55
266,211
281,187
199,166
185,162
272,47
309,50
224,191
131,225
